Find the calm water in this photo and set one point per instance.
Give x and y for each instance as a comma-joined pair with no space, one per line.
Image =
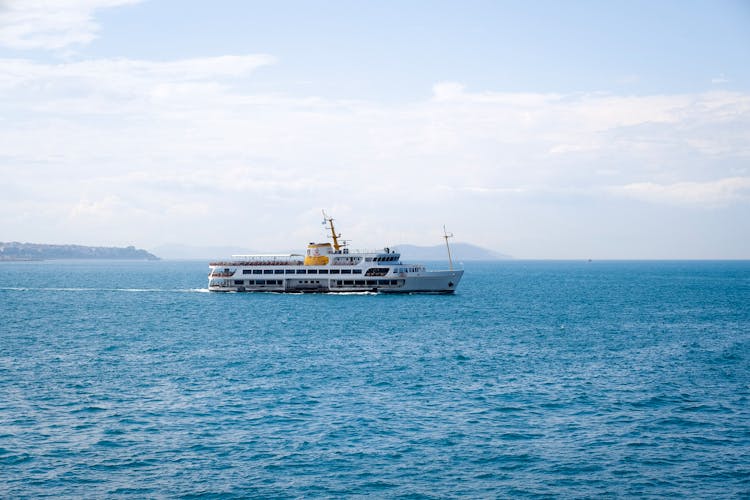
537,379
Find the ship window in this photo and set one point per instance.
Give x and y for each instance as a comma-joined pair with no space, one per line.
246,271
334,271
357,271
359,282
338,282
368,259
348,282
289,271
257,271
383,282
323,271
346,271
394,282
372,282
267,271
278,271
237,282
301,271
312,271
250,282
260,282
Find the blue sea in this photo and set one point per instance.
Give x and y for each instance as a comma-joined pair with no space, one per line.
536,379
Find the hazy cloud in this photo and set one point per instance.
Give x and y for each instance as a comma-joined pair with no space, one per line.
44,24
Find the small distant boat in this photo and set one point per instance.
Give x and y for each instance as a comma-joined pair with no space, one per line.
327,268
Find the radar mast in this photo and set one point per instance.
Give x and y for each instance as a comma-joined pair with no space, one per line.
329,220
447,235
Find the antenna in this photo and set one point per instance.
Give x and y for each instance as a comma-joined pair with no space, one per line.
446,235
336,244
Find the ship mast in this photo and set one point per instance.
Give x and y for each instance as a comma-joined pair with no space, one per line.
329,220
446,236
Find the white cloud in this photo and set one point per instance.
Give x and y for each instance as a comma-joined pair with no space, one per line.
107,75
715,193
718,80
103,208
447,91
49,24
190,144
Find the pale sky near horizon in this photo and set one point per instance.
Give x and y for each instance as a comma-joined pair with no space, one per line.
542,129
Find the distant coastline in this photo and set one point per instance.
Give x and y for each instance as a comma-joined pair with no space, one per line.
21,252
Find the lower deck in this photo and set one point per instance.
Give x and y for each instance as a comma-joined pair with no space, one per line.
308,285
401,285
407,279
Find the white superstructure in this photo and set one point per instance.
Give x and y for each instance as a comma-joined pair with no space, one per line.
329,268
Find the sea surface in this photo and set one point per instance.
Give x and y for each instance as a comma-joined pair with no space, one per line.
536,379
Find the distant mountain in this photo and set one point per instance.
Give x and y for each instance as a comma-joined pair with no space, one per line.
460,252
37,251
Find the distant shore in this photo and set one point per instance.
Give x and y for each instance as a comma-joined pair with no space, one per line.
26,252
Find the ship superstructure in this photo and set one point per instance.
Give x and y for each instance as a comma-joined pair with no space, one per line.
327,267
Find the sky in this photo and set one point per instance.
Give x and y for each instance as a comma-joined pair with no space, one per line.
543,130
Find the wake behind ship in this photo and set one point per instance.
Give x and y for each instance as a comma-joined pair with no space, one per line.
330,268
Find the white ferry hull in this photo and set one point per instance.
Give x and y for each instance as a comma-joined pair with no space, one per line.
439,282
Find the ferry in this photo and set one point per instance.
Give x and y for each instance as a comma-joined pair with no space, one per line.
331,268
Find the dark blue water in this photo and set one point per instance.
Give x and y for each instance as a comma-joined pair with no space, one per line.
536,379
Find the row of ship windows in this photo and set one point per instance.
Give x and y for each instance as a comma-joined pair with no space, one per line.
301,271
390,258
338,282
258,282
406,270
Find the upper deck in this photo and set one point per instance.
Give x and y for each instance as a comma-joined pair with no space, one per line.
292,259
344,257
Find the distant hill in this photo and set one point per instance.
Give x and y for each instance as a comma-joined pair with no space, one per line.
13,251
460,251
